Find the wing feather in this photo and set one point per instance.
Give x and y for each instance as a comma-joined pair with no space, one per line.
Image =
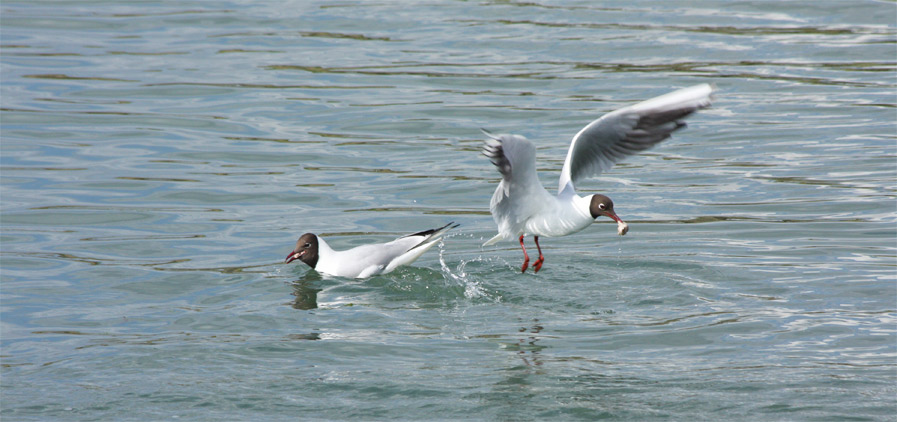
520,194
629,130
414,245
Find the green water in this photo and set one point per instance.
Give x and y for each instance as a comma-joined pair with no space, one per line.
158,161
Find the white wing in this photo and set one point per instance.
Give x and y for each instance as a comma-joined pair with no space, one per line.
629,130
519,194
422,242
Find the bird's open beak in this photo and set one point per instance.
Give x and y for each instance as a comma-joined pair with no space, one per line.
293,256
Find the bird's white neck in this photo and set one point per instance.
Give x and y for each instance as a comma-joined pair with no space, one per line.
323,246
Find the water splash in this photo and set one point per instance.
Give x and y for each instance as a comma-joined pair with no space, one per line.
473,289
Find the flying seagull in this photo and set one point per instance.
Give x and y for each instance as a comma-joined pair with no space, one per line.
521,206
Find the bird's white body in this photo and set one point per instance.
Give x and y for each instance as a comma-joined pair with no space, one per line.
369,260
566,214
365,260
537,213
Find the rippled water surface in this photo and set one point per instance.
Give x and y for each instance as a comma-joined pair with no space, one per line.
159,159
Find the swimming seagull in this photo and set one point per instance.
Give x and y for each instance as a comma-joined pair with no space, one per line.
365,260
521,205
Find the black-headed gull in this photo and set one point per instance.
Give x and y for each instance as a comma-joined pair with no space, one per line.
366,260
521,205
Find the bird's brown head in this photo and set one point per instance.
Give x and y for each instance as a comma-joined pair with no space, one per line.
306,250
602,206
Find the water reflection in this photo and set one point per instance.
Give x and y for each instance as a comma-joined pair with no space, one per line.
527,349
305,292
518,386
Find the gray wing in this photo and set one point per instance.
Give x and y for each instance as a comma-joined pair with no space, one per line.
514,156
520,194
629,130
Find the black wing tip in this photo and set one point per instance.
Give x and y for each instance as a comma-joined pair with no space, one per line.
432,231
450,225
495,153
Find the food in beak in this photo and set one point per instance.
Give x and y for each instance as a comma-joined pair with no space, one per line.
622,227
293,256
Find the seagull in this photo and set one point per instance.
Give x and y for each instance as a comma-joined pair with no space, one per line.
365,260
521,206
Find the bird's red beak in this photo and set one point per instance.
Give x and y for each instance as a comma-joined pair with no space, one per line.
622,227
292,257
613,216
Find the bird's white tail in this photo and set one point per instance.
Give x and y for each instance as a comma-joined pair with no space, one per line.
494,240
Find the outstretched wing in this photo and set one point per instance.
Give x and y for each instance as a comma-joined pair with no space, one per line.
629,130
515,158
520,193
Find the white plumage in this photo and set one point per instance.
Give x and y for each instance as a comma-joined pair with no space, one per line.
366,260
522,206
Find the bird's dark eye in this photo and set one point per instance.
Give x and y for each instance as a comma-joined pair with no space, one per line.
602,206
307,245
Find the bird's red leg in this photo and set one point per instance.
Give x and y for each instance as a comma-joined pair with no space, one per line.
525,256
538,264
